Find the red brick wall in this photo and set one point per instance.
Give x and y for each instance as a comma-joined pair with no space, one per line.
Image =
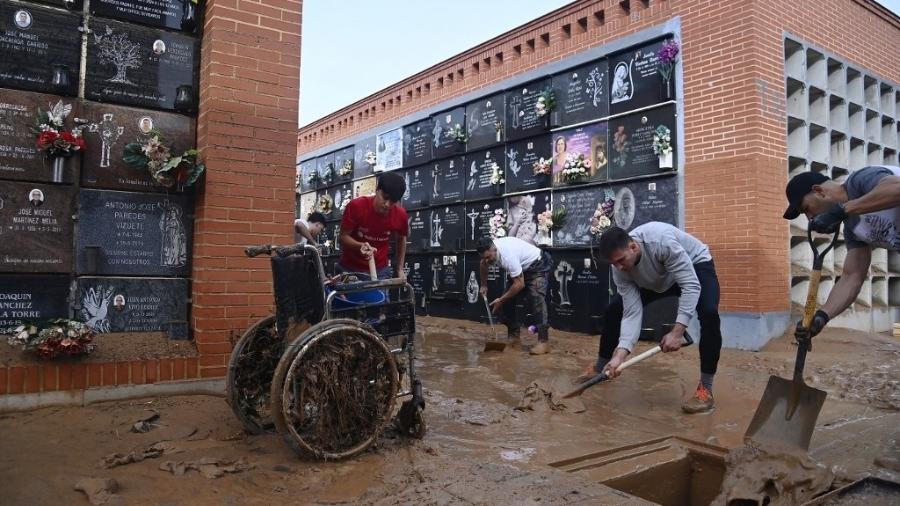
734,139
249,89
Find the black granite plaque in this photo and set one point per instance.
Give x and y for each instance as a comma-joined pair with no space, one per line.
31,298
326,173
522,119
305,171
442,143
41,49
581,93
109,128
340,195
631,143
448,180
523,211
418,274
123,233
579,293
417,142
364,158
20,158
157,13
419,238
473,303
132,65
330,237
447,226
639,202
480,167
74,6
36,227
589,142
484,122
343,164
478,221
521,157
131,304
580,205
634,81
418,187
447,276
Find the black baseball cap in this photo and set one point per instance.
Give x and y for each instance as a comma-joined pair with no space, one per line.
797,188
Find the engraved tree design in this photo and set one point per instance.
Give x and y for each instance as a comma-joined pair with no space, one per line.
118,50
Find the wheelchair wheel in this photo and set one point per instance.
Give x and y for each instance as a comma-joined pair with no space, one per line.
334,390
411,420
249,375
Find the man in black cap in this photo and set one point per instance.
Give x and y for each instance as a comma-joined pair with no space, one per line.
868,203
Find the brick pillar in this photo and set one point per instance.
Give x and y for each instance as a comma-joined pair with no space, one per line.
247,132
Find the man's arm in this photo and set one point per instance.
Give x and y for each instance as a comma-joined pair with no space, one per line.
679,264
483,271
303,230
400,256
885,195
518,283
844,292
632,313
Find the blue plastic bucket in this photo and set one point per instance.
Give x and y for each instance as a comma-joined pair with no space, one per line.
354,299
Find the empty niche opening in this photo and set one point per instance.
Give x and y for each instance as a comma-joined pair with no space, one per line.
857,120
839,173
837,113
840,154
794,59
894,291
796,166
879,260
874,156
818,106
887,100
857,154
873,126
816,69
821,168
890,157
819,144
797,101
888,132
837,80
801,257
854,86
880,295
897,103
873,98
894,262
798,138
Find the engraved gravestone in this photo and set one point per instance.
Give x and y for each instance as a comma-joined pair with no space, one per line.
522,119
447,228
582,93
579,293
109,128
171,14
365,186
521,157
325,173
418,274
484,121
307,204
631,140
480,169
30,298
340,195
588,143
109,304
418,187
36,227
305,172
72,5
389,149
639,202
132,65
474,305
364,158
20,158
448,180
446,276
123,233
343,164
443,143
580,205
330,237
478,221
41,49
417,142
634,81
419,238
522,211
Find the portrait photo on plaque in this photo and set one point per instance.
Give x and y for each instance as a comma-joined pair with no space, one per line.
389,149
484,122
115,304
579,155
522,117
643,143
528,164
582,93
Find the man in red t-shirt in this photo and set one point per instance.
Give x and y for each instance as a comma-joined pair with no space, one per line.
369,223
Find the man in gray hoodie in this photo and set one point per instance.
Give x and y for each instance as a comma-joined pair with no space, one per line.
653,261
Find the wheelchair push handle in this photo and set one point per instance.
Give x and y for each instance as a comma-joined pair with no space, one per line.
254,251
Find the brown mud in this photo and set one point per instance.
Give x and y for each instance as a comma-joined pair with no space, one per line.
478,449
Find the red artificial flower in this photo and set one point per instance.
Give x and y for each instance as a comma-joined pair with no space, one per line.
46,138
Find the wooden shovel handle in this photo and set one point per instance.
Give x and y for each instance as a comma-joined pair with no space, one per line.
373,273
811,295
643,356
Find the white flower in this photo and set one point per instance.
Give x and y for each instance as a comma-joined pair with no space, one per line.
603,221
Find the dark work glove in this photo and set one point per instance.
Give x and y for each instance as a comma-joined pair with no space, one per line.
820,319
829,221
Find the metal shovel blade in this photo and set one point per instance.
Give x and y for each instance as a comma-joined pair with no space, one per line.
494,345
585,385
773,421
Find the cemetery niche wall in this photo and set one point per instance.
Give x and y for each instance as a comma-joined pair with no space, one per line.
490,167
89,233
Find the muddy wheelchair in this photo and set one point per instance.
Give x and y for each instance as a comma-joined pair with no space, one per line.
326,369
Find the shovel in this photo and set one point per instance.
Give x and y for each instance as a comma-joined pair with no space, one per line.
600,378
496,344
788,409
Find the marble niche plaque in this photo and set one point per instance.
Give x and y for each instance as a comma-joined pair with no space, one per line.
340,195
155,13
582,94
132,65
478,216
343,161
580,206
123,233
331,236
304,172
41,49
579,293
447,228
631,143
522,211
363,153
389,149
31,298
418,274
20,159
419,238
307,203
110,127
589,141
109,304
522,119
417,142
479,169
634,80
484,122
520,159
496,280
447,276
443,144
448,180
36,227
365,186
418,187
639,202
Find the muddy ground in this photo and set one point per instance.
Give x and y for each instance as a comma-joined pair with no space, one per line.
478,449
